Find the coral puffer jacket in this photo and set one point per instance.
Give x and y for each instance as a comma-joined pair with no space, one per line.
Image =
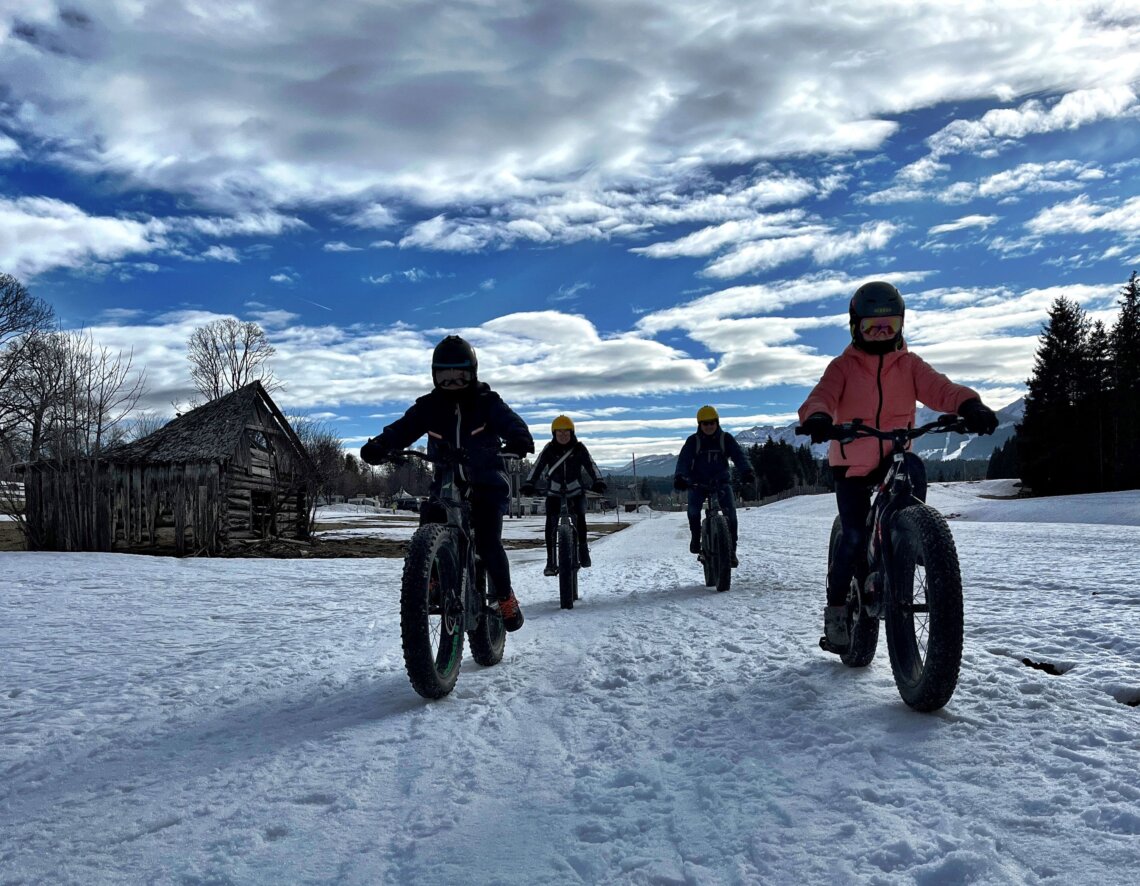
881,390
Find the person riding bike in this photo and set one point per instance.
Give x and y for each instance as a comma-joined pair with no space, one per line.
878,380
704,460
467,415
561,464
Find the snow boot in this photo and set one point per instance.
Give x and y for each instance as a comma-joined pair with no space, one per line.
835,627
551,565
584,557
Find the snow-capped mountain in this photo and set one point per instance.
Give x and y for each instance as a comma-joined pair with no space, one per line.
934,447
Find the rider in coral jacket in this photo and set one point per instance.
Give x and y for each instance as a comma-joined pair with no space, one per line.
878,380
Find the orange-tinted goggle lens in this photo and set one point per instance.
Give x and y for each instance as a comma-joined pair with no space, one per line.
888,326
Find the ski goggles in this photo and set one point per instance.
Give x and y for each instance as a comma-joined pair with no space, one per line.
881,326
453,378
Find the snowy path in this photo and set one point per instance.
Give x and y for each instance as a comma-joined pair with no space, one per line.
224,721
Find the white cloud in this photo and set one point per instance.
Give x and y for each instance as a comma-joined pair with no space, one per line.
1082,215
1076,109
9,148
963,223
221,253
280,105
340,246
41,233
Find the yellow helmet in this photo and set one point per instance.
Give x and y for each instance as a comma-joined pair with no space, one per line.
562,423
707,413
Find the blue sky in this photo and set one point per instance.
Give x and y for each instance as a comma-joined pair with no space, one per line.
631,209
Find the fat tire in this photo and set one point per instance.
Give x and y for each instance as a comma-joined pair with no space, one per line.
722,553
567,567
925,622
706,553
862,629
488,638
432,640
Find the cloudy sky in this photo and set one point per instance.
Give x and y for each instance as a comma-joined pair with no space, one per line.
631,208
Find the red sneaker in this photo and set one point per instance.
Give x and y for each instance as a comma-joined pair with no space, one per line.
511,612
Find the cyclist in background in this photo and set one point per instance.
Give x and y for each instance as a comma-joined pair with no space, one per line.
704,460
561,465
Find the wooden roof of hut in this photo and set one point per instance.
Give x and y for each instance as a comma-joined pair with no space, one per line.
211,432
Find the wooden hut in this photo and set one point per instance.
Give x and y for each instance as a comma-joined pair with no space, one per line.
220,475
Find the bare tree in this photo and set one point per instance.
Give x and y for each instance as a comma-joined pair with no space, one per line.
22,317
228,354
69,397
325,450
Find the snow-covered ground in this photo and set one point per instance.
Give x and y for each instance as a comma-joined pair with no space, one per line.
249,721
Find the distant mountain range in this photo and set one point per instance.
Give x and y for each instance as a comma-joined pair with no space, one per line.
933,447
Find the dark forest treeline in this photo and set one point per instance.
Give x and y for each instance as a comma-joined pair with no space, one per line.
1081,427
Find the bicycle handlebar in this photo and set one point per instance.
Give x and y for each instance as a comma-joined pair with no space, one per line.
446,454
847,431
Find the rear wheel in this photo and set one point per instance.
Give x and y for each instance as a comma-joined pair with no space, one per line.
567,567
862,629
489,637
431,612
924,622
722,553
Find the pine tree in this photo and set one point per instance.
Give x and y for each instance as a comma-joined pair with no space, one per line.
1051,441
1096,409
1124,345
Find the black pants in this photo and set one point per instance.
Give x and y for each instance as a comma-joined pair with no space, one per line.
727,503
853,497
488,506
577,507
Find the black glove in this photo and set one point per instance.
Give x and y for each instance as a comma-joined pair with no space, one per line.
527,489
680,484
517,448
748,479
599,487
818,426
979,418
374,452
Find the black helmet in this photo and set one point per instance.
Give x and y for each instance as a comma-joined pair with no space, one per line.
875,299
454,353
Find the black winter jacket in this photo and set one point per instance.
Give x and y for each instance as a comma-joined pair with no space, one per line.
564,474
477,421
704,458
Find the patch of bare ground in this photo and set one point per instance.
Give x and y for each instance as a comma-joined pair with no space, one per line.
12,539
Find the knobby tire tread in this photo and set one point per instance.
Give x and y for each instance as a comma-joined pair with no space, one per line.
432,669
489,638
926,684
567,568
722,553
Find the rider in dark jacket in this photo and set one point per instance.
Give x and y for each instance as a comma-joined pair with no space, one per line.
704,460
560,466
465,413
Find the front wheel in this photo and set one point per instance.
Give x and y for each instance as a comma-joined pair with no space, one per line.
862,628
488,639
722,553
567,567
431,611
924,619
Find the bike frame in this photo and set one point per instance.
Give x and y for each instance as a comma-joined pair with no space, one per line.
452,500
564,516
895,492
